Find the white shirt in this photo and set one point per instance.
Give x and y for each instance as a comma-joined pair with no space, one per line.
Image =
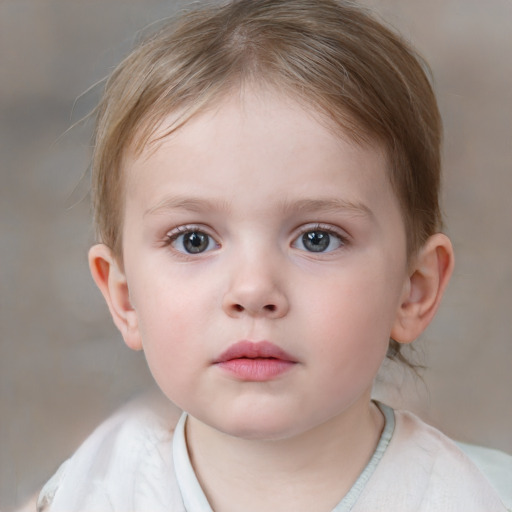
135,462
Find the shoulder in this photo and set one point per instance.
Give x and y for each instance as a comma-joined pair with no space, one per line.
122,466
428,472
496,467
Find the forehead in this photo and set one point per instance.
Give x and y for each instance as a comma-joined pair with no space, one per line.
239,98
252,139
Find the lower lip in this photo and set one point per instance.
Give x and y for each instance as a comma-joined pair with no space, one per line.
257,369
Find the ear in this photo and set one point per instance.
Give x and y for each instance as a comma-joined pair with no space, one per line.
428,278
111,280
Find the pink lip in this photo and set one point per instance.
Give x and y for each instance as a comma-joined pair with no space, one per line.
255,361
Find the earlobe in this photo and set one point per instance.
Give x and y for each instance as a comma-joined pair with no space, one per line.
111,280
424,289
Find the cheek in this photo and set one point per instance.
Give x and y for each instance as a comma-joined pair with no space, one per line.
348,349
172,351
351,319
164,314
362,297
174,311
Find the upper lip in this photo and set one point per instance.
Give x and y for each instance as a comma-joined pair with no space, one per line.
254,350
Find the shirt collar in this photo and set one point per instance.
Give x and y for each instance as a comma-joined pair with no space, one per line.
195,500
191,492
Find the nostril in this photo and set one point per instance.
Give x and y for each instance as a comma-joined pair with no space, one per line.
267,308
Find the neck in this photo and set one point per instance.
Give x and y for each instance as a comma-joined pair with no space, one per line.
309,471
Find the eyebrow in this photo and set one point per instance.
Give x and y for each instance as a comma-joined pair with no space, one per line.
327,205
186,203
304,206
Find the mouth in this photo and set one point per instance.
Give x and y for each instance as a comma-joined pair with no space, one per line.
255,361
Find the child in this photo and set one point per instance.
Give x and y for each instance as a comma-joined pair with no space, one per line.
266,180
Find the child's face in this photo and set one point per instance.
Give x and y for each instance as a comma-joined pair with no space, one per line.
254,222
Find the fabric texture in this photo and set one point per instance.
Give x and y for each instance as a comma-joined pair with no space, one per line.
134,462
496,466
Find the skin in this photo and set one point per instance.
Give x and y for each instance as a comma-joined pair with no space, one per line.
252,176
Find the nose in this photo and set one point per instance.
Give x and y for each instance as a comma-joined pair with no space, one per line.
255,290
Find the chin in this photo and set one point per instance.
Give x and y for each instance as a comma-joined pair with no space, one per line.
259,427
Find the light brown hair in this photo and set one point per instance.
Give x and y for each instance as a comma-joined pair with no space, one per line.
331,55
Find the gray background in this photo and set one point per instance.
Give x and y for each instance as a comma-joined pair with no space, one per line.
63,367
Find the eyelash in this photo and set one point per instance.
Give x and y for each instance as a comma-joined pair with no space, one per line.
172,237
342,238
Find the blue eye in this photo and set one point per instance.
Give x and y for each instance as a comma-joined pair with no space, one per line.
192,242
318,240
